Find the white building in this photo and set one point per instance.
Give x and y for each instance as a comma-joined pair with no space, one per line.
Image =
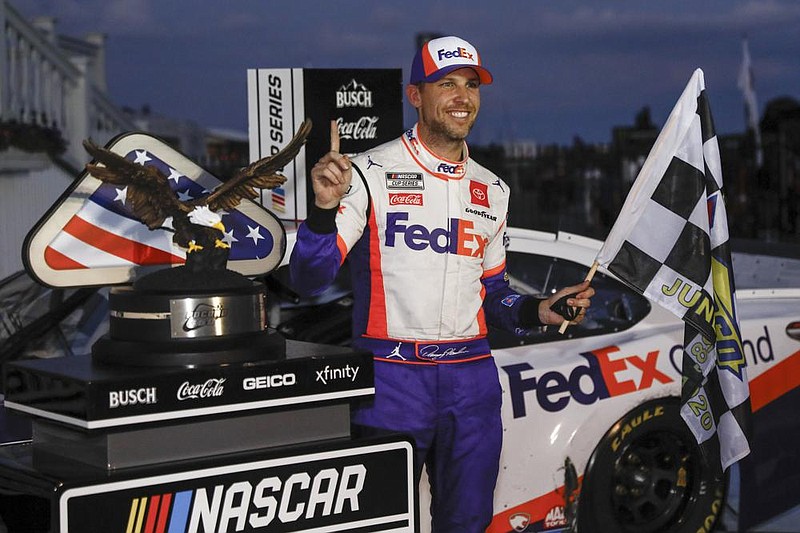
52,96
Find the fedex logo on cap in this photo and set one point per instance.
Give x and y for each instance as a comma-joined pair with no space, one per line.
458,52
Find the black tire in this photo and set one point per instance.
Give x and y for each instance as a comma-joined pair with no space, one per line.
647,475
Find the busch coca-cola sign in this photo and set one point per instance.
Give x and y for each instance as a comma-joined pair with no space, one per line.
209,389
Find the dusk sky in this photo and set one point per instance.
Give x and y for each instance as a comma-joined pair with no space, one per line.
561,68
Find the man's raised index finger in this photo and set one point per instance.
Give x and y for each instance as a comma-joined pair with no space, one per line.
334,136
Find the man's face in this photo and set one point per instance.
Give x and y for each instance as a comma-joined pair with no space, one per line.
448,107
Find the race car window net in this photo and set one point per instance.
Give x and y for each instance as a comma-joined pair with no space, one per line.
614,308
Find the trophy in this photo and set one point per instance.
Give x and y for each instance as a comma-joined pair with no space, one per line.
199,312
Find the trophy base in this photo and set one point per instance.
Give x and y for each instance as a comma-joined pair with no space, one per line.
188,327
266,345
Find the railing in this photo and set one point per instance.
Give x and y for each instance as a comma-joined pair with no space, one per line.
40,85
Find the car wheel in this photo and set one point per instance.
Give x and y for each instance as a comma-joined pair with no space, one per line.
647,475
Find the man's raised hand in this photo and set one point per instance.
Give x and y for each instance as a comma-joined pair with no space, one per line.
331,176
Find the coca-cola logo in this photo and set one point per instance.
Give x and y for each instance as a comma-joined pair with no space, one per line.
405,199
211,388
365,128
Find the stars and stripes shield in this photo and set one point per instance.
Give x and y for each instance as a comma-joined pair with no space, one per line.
90,237
670,243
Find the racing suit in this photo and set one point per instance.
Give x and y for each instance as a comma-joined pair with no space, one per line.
424,237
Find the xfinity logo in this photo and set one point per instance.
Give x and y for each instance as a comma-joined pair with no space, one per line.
334,374
269,382
353,94
209,389
122,398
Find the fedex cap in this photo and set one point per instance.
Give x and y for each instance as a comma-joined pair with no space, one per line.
440,56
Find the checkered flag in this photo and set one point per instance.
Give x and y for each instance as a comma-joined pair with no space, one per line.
670,243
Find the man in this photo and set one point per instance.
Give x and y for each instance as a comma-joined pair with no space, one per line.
422,226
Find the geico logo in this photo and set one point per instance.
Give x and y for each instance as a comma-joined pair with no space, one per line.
450,169
143,396
245,507
586,384
458,239
634,423
269,382
458,52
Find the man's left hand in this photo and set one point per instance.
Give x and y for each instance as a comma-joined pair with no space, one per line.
581,301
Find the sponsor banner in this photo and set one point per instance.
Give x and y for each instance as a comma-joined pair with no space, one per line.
159,394
367,105
364,488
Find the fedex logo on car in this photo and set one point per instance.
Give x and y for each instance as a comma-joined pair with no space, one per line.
459,238
600,378
458,52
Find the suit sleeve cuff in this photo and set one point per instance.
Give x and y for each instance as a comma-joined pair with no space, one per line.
322,221
529,313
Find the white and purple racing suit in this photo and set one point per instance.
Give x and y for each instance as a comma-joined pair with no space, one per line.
424,237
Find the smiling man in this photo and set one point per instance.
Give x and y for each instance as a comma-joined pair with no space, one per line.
422,225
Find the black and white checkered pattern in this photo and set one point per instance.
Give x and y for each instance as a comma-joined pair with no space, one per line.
670,243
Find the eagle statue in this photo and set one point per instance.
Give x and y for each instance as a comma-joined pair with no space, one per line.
197,225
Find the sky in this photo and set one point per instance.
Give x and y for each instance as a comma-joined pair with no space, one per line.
562,69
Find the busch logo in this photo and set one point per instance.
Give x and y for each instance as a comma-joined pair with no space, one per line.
458,239
585,384
458,52
405,199
364,128
211,388
353,94
121,398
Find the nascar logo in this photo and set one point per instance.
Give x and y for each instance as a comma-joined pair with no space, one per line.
241,506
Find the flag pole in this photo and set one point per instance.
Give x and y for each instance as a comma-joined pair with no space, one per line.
589,277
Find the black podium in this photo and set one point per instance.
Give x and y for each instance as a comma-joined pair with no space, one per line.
261,446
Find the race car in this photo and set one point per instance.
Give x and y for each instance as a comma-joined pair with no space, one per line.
593,440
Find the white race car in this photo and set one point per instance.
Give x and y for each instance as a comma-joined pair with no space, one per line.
593,438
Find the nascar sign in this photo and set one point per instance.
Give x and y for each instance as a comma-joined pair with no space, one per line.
364,488
90,237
